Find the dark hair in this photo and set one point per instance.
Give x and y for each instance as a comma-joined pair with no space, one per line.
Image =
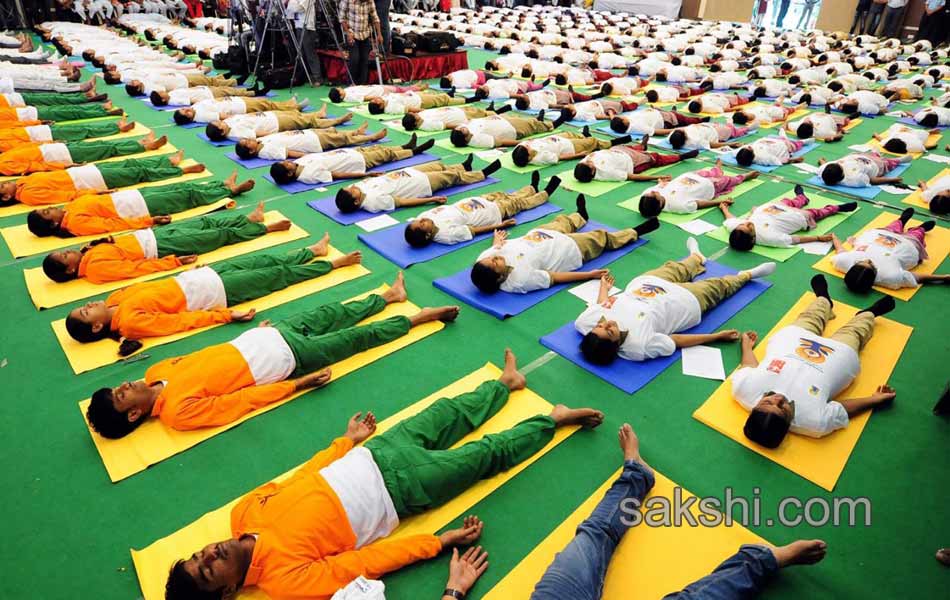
374,108
741,240
243,151
560,79
652,96
520,156
633,70
896,146
659,76
794,79
335,95
214,133
458,138
676,61
766,428
409,122
416,237
745,156
832,173
83,333
929,120
940,204
617,124
157,99
526,71
480,93
677,138
43,227
521,103
111,78
56,270
282,173
606,88
583,172
182,586
650,205
860,278
182,119
695,106
133,90
599,351
106,420
835,86
715,68
485,279
739,118
805,130
345,201
759,92
445,83
806,98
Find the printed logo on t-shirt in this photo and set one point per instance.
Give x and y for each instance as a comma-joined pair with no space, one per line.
471,205
886,241
649,290
538,236
398,175
813,352
776,366
773,209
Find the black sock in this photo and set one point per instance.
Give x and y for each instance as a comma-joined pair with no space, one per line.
491,105
450,92
907,215
552,185
819,285
471,99
690,154
928,225
651,224
423,147
494,166
562,118
799,190
536,180
848,207
883,306
505,108
467,163
242,79
582,207
620,141
586,131
540,116
411,143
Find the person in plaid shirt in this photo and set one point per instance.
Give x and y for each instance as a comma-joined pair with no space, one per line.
356,17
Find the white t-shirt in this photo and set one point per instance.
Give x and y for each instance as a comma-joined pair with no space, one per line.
212,110
713,103
683,192
380,193
937,187
624,86
645,121
129,204
464,79
699,136
453,220
438,119
807,369
913,138
319,167
252,126
541,99
397,104
893,255
869,103
823,126
943,115
188,96
532,257
611,165
549,149
648,310
588,111
359,93
276,145
202,288
358,483
857,170
765,114
486,131
56,153
774,223
502,89
770,151
87,177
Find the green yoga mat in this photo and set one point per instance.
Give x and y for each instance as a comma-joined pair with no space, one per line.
594,188
783,254
678,219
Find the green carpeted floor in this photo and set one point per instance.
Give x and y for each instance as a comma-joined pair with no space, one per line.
68,529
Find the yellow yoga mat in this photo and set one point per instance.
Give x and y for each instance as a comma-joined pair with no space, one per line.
86,357
650,562
917,197
168,148
152,563
938,247
136,131
153,442
933,138
853,123
19,209
820,460
45,293
23,243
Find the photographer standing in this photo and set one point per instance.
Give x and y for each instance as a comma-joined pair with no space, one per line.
356,18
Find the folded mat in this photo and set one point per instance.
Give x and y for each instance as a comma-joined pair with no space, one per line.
916,198
19,209
23,243
629,375
257,163
938,246
297,187
168,148
47,294
86,357
391,242
730,159
327,205
867,193
819,460
502,305
650,561
783,254
678,219
933,138
202,135
152,442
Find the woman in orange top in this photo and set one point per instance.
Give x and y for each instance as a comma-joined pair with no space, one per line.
18,134
197,298
154,250
40,157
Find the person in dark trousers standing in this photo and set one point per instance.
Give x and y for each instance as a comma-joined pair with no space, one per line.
893,17
782,11
932,22
358,19
308,42
382,11
860,16
874,17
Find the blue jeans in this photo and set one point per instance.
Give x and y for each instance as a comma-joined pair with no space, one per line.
741,576
579,570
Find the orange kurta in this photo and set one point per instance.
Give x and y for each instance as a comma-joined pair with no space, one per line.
92,214
306,547
54,187
13,137
210,387
122,259
26,158
157,308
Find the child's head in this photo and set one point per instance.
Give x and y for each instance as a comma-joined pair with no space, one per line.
336,95
832,173
445,83
861,276
560,79
89,323
768,423
759,91
376,106
795,79
184,116
742,238
740,117
895,145
135,88
929,120
411,121
246,149
602,344
940,204
677,139
481,92
419,232
460,137
521,155
46,222
584,172
805,130
620,124
651,204
62,266
652,96
522,103
217,131
284,172
835,86
349,199
489,273
158,98
695,106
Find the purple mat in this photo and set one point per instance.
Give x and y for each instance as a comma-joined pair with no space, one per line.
298,186
327,206
257,163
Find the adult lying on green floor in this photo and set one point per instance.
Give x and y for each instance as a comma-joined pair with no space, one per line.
300,142
690,192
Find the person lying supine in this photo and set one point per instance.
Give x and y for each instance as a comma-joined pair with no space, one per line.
567,145
256,125
502,130
206,111
690,192
626,163
55,156
300,142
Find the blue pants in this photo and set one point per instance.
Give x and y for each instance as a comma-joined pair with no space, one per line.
578,571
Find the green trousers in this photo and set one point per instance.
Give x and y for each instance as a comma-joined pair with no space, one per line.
77,133
329,333
53,98
72,112
179,197
855,333
254,276
710,292
85,152
132,171
421,471
204,234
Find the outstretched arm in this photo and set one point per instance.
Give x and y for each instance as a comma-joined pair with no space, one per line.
574,276
642,177
855,406
748,339
685,340
923,278
400,202
489,228
805,239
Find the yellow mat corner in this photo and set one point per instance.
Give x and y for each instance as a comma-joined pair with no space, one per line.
917,197
820,460
152,562
933,138
938,246
46,293
650,562
86,357
153,442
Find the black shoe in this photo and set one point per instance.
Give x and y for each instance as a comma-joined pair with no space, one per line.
242,79
472,100
848,207
706,119
540,116
536,180
907,215
467,163
491,168
651,224
883,306
423,147
552,186
819,285
586,131
491,106
620,141
561,119
799,190
411,143
582,207
928,225
505,108
450,92
690,154
942,407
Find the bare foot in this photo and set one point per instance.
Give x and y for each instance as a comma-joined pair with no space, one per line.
801,552
943,556
751,175
353,258
155,144
323,111
321,247
397,291
362,128
177,157
107,105
512,379
630,444
282,225
378,135
258,215
195,168
124,125
232,178
588,418
347,117
446,314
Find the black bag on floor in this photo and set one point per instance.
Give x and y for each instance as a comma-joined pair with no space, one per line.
405,45
280,77
439,41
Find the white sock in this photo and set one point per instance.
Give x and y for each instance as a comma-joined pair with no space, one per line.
693,246
766,268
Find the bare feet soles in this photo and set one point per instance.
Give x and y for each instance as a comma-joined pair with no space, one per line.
943,556
282,225
353,258
588,418
177,157
446,314
510,377
322,112
322,247
125,125
362,128
258,215
801,552
630,444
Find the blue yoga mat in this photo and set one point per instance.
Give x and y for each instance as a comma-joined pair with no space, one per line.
630,376
257,163
327,206
202,135
910,121
867,193
391,242
606,129
298,186
194,125
502,304
730,159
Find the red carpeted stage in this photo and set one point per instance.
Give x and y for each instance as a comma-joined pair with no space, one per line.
406,68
